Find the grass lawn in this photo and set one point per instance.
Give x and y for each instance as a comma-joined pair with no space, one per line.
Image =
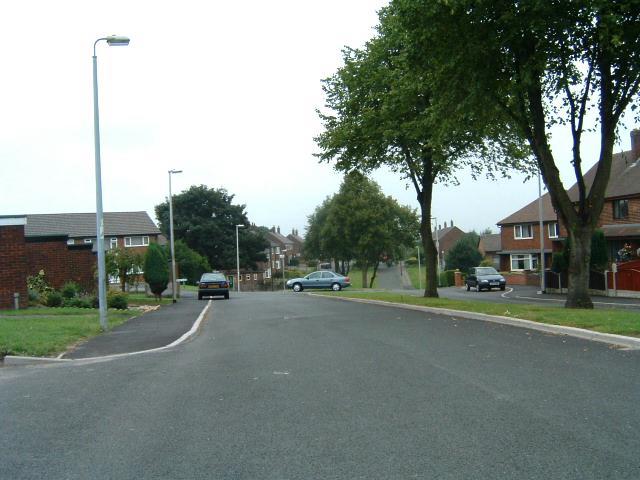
355,274
621,322
141,298
44,332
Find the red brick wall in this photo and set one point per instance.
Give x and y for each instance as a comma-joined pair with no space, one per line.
13,266
606,217
509,242
62,263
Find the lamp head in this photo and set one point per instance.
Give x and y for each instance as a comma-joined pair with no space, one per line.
175,171
117,41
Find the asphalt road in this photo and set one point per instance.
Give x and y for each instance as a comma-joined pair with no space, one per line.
298,387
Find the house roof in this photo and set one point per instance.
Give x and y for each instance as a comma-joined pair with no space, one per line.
491,242
84,224
529,213
624,230
443,232
295,238
277,237
624,179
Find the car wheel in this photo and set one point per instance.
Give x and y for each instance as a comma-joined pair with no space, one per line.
336,287
297,287
502,287
199,297
226,296
478,289
468,287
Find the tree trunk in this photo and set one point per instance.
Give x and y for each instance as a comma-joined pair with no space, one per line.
373,277
365,271
579,260
429,246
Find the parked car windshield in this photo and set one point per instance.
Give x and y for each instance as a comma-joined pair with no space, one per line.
486,271
212,277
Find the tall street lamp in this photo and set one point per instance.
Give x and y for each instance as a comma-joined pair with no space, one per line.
112,41
284,280
171,242
238,257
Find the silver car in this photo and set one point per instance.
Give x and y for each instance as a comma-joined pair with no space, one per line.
320,279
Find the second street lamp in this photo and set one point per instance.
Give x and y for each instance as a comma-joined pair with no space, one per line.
171,242
112,41
238,257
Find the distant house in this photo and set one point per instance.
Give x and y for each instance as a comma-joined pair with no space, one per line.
445,239
279,251
63,245
489,246
619,220
297,242
520,236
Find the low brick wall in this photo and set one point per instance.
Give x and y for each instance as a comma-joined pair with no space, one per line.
517,278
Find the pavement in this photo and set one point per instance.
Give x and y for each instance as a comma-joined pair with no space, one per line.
151,330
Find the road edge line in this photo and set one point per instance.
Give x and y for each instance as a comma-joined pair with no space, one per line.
631,343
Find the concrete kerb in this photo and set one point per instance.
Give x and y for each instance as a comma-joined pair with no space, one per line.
630,343
15,360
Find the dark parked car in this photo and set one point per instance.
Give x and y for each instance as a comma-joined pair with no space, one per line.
213,284
485,277
319,279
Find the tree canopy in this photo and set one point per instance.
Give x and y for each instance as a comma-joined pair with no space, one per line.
360,223
205,219
381,112
537,64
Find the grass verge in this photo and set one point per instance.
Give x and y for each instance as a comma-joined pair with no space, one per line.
620,322
138,299
45,332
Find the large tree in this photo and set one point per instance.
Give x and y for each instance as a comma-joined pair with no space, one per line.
205,219
381,114
543,63
361,223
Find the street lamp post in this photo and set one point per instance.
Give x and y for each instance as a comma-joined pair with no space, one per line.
284,281
112,41
419,270
541,225
435,220
173,248
238,257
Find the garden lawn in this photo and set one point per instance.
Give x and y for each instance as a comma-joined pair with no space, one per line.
620,321
45,332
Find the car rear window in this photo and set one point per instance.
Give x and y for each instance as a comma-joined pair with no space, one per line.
212,277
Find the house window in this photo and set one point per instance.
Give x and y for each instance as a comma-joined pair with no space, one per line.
267,274
113,243
70,241
523,231
136,241
255,276
277,250
88,240
277,264
248,277
620,209
554,231
526,261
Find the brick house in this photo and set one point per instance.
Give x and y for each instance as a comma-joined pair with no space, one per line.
446,238
619,220
63,246
278,245
489,246
297,243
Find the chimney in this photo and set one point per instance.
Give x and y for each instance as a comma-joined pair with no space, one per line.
635,144
445,224
278,228
451,223
273,229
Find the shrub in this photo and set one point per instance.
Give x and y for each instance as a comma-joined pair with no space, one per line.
70,290
54,299
117,300
447,278
156,270
39,285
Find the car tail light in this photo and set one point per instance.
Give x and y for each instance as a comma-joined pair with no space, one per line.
347,279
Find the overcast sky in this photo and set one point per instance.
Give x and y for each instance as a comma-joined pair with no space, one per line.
225,91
